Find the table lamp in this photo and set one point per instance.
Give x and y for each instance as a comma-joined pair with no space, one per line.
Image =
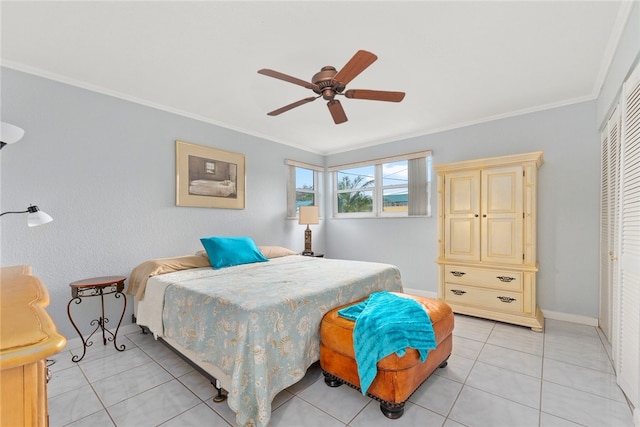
308,215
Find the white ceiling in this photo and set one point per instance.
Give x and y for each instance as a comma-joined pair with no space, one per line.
458,62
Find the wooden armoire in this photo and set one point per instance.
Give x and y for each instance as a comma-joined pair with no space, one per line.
487,238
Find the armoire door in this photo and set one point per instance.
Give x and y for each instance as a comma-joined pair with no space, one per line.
502,215
462,216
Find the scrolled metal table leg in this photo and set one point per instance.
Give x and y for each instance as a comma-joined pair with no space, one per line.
124,308
75,358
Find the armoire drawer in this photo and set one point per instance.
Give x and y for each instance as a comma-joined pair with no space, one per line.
480,297
495,279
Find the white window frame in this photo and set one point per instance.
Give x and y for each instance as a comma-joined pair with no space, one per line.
292,211
378,188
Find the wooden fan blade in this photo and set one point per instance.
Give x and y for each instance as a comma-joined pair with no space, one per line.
287,78
375,95
357,64
337,112
292,105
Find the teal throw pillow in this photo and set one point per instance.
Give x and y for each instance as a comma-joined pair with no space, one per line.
229,251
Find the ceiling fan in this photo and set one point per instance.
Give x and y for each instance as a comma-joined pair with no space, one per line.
329,82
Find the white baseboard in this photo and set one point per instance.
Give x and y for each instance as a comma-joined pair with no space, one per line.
568,317
421,293
74,343
548,314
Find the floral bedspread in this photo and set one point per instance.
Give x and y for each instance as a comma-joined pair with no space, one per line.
260,323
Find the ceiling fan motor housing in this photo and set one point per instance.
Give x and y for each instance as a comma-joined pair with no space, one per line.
326,85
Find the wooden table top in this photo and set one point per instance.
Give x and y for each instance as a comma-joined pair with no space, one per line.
97,281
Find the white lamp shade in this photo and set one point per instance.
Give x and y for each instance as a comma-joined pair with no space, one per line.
10,133
308,215
38,218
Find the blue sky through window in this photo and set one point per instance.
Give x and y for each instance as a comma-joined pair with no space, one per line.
304,178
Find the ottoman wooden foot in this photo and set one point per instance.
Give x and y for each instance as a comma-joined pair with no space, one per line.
392,412
331,381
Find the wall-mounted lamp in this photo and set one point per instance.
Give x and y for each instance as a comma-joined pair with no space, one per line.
36,216
308,215
9,134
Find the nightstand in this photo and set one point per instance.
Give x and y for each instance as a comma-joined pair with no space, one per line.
315,255
98,286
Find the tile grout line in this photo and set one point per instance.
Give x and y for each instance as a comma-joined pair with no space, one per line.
464,383
174,377
544,347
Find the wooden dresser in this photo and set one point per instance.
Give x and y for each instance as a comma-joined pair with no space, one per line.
487,238
27,337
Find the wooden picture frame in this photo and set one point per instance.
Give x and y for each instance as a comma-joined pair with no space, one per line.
209,177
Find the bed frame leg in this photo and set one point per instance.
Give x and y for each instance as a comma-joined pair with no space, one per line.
144,329
220,397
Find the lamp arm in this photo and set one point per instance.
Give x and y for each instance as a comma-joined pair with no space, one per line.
13,212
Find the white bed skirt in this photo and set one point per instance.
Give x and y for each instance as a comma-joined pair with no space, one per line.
210,368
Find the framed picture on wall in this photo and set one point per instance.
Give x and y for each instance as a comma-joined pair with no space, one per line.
208,177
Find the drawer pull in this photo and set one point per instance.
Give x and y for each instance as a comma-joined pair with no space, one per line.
506,299
458,291
458,273
505,278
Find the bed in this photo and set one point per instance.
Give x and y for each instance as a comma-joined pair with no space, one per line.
205,187
254,327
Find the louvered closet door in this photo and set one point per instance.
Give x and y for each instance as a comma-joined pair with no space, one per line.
628,352
609,222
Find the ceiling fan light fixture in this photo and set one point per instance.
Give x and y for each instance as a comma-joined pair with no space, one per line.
328,93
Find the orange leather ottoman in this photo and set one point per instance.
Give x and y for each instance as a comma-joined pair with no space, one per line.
397,377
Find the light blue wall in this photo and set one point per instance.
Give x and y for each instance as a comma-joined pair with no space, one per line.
104,169
568,204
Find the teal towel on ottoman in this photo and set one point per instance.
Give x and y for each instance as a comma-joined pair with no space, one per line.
387,323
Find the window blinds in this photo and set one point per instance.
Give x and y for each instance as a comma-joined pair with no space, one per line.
417,186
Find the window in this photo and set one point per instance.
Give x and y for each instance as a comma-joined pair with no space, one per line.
395,186
354,189
390,187
210,167
304,186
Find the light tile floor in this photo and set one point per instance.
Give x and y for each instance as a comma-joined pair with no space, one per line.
498,375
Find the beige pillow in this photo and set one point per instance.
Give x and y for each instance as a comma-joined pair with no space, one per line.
153,267
276,251
267,251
